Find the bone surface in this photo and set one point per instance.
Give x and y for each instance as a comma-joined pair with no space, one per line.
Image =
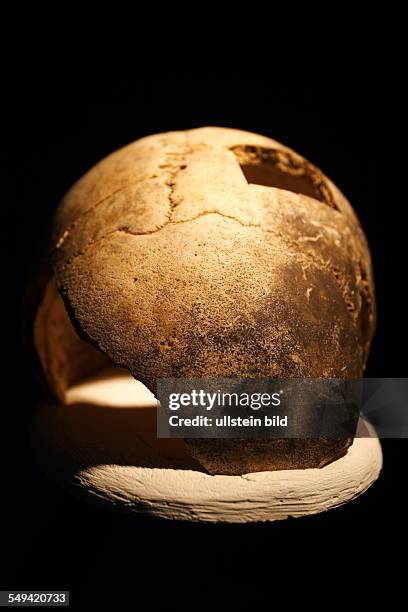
202,253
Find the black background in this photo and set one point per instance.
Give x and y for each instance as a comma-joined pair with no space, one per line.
50,540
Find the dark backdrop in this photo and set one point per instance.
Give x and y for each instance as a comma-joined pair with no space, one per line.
49,540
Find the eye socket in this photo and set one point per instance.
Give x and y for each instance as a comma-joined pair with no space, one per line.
280,169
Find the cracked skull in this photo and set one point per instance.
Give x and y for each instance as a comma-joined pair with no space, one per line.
213,253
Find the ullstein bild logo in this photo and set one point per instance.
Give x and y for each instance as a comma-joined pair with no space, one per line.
285,408
228,421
